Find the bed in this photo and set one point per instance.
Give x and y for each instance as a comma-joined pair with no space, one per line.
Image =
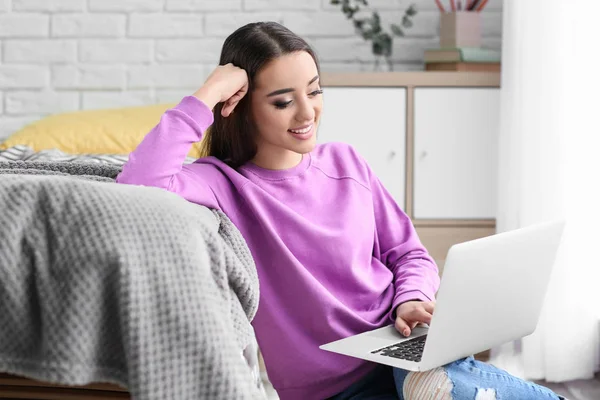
100,298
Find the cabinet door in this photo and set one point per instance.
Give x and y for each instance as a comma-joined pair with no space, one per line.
373,121
456,133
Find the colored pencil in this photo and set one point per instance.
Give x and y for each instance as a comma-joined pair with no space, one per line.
474,4
440,6
480,7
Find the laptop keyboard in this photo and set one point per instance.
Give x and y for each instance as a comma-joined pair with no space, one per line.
410,350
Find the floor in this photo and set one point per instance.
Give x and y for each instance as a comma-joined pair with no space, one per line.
574,390
577,390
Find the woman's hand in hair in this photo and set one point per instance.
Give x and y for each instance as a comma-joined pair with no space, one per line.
227,84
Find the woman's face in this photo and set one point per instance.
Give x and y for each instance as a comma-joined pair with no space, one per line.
286,106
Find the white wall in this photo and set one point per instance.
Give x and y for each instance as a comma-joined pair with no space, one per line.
63,55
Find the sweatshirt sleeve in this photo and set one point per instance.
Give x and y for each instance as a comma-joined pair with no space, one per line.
415,272
158,159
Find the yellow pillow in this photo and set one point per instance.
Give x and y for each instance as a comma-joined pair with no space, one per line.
109,131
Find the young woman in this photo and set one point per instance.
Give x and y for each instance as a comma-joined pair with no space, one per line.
335,254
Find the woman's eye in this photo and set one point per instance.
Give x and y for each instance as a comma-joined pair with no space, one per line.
282,104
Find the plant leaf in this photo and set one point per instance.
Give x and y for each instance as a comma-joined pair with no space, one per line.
376,17
377,48
382,44
349,10
387,44
396,30
369,28
375,23
368,35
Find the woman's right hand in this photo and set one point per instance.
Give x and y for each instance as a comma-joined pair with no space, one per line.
227,84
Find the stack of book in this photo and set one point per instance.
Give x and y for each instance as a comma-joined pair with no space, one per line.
473,59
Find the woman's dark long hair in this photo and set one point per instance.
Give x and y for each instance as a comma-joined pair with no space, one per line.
251,47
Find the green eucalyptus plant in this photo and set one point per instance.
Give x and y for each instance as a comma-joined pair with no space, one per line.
370,28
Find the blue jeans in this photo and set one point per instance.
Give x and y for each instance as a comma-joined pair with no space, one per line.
467,377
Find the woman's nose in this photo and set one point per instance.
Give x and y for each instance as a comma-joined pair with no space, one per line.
306,114
306,111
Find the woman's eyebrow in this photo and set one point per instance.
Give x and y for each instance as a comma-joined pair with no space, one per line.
282,91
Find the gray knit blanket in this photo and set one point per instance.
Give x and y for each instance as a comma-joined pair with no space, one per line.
103,282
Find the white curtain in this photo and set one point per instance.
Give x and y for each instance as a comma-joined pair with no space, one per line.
549,167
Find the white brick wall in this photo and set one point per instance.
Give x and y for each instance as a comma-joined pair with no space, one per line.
113,99
48,5
43,51
23,77
88,25
203,5
84,77
19,25
30,102
166,25
64,55
119,51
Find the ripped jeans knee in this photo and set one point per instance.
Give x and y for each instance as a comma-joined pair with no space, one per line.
466,379
434,384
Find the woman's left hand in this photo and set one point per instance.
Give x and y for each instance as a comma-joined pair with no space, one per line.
410,313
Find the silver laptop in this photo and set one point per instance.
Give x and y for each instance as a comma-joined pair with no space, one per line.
491,292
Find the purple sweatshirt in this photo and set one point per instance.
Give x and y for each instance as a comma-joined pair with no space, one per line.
335,254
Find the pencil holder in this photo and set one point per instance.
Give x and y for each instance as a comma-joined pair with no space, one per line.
460,29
